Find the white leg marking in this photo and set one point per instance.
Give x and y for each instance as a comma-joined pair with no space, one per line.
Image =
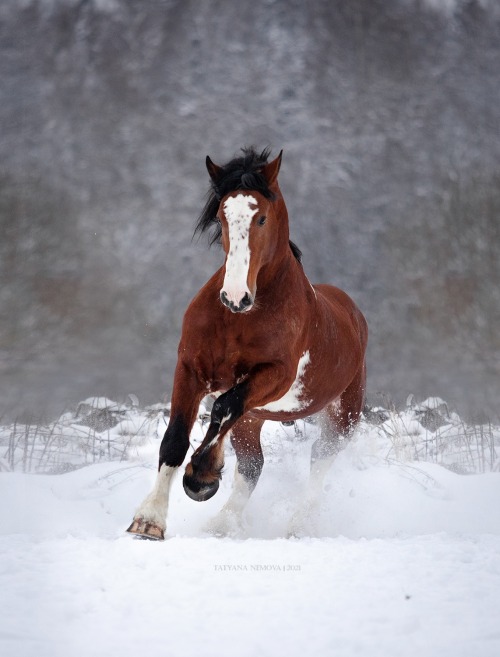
319,470
154,508
228,520
239,215
304,520
240,494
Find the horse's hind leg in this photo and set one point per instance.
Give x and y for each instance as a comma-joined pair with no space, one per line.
337,423
245,439
339,420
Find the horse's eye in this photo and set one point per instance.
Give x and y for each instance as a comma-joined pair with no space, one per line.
262,221
217,220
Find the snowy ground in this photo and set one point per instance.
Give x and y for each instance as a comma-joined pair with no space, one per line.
402,557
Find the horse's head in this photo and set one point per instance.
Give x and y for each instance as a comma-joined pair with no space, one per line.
251,227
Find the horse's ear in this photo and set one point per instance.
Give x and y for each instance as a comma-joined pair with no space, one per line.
214,170
271,170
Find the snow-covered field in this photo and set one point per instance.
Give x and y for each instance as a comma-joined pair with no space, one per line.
401,557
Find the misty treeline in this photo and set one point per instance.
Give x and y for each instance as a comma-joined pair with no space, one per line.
388,112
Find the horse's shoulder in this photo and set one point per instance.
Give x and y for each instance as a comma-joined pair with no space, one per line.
199,314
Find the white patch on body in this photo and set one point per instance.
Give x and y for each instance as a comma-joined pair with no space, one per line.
239,215
291,400
154,508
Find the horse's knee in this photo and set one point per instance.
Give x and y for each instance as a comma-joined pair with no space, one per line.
228,408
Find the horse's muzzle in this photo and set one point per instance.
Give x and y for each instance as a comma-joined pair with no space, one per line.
199,491
243,306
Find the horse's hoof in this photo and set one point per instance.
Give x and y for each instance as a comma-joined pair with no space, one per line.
197,491
148,530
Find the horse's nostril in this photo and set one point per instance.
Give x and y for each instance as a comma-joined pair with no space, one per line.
246,301
223,298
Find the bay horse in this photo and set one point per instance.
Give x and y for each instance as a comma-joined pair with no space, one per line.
270,344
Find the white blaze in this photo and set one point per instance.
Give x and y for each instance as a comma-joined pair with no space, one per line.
239,215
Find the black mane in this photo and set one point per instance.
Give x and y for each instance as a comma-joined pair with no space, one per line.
243,172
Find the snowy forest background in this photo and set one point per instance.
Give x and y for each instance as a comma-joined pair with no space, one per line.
388,112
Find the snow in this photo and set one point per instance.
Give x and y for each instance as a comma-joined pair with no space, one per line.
100,403
398,557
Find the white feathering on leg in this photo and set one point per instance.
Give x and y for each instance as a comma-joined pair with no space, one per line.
228,521
154,508
240,494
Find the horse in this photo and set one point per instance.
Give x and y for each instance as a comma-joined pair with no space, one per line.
262,339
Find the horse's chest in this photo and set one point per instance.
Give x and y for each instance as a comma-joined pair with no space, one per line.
229,367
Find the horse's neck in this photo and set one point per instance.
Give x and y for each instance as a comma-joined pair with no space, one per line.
284,269
283,273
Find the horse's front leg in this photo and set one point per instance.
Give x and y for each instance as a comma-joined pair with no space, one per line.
263,385
150,518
